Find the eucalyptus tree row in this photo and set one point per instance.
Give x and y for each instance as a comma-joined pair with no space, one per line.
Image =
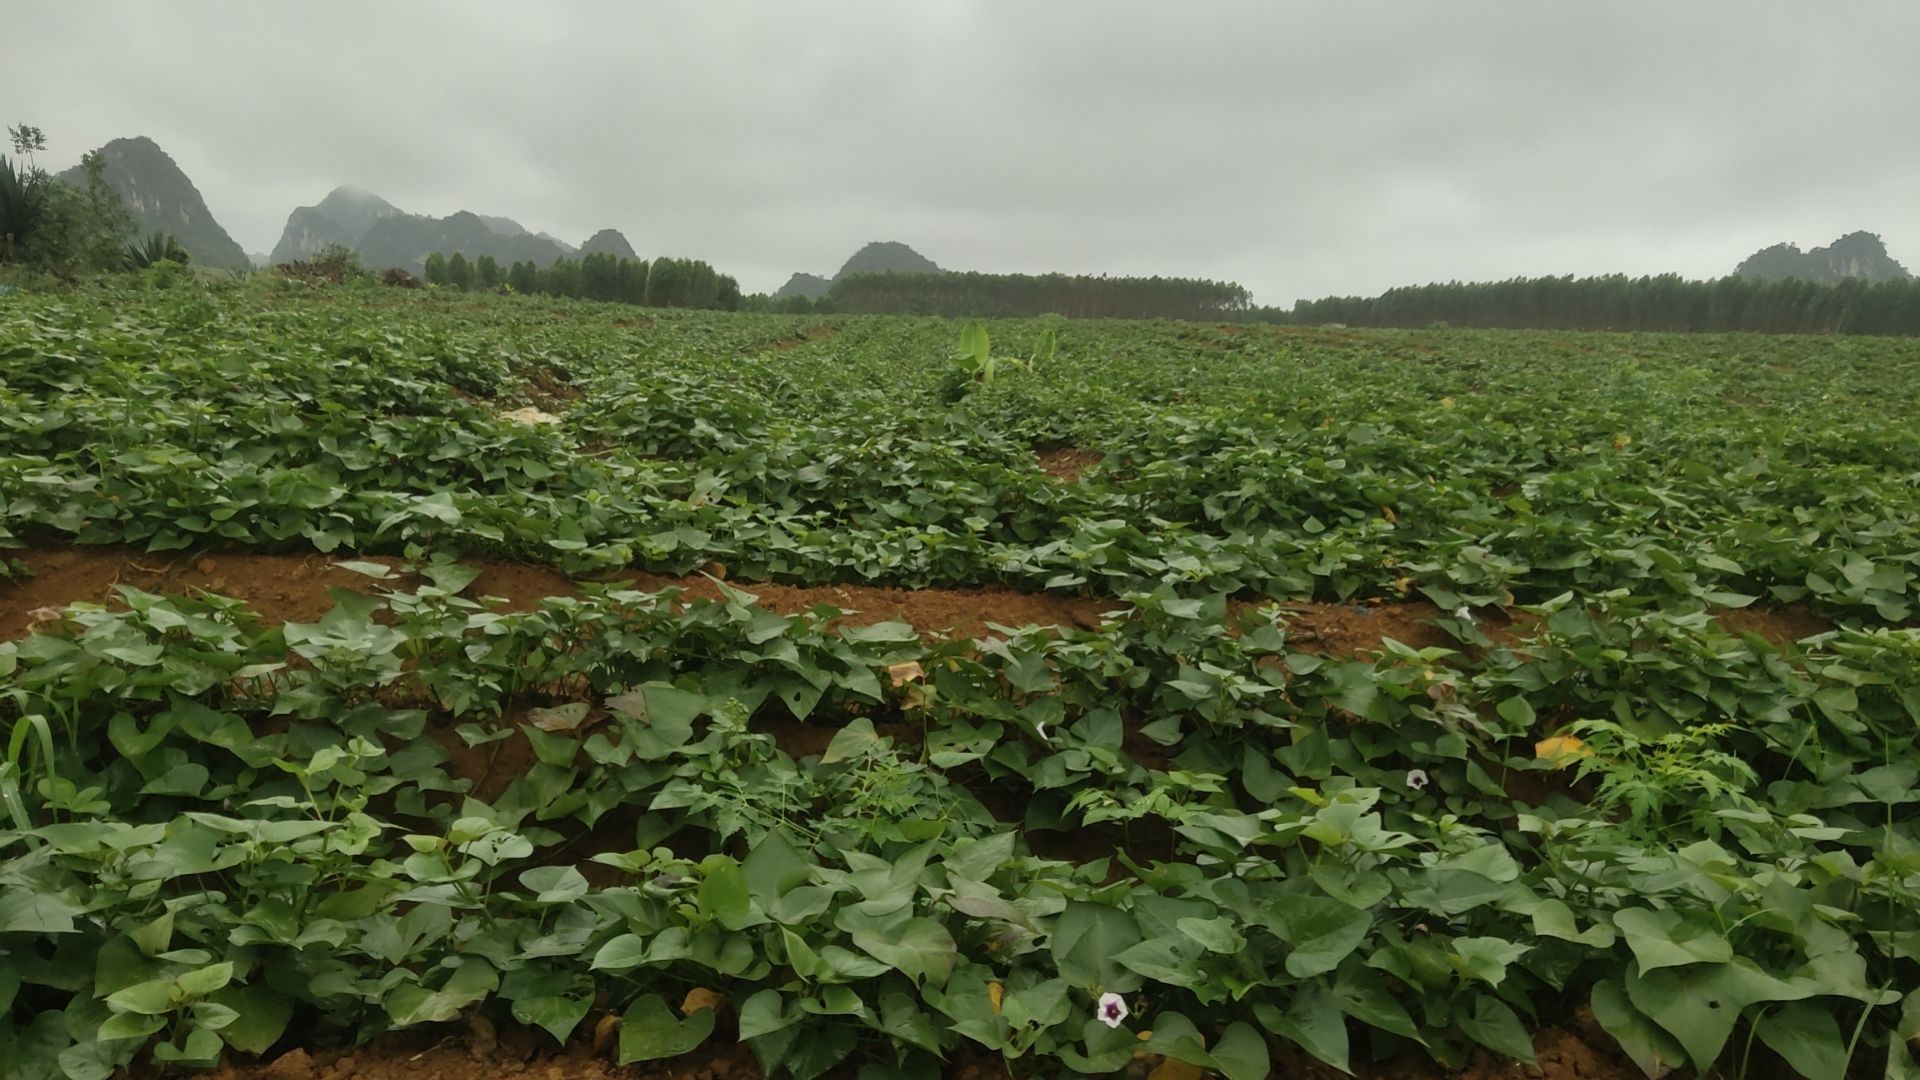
1019,295
1617,302
663,282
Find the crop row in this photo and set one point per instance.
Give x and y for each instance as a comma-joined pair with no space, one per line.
219,830
1478,468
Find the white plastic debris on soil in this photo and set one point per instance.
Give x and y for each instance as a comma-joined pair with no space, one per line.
530,415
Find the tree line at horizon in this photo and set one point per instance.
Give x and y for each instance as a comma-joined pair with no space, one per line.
974,294
661,282
1663,303
1657,303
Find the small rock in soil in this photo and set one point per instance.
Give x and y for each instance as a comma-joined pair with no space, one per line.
292,1065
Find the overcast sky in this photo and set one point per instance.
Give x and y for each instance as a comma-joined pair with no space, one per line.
1299,148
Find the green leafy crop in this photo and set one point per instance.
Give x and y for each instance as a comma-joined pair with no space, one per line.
1596,775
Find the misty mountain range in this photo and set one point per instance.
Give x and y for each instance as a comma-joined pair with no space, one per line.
385,236
162,198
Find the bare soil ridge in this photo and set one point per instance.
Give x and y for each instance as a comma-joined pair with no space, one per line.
294,588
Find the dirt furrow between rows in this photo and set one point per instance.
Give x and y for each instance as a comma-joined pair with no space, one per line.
294,588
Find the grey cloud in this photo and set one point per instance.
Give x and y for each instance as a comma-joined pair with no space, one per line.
1299,148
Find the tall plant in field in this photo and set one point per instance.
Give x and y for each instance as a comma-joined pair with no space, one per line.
55,225
157,247
24,198
975,365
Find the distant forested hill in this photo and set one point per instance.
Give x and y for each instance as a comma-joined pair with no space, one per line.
1861,255
876,257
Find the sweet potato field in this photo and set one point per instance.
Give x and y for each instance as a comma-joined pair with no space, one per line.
702,694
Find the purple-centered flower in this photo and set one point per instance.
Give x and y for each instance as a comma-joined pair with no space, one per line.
1417,779
1111,1009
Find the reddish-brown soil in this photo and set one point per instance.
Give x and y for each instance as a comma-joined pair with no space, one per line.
1777,625
811,333
548,388
1350,629
799,739
506,1056
1353,629
280,588
489,766
1563,1054
293,588
1066,463
954,612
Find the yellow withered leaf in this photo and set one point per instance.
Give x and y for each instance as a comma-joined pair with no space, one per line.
907,672
1141,1054
994,992
604,1032
701,998
1562,750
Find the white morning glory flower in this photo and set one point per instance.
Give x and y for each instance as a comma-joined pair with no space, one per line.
1111,1009
1417,779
